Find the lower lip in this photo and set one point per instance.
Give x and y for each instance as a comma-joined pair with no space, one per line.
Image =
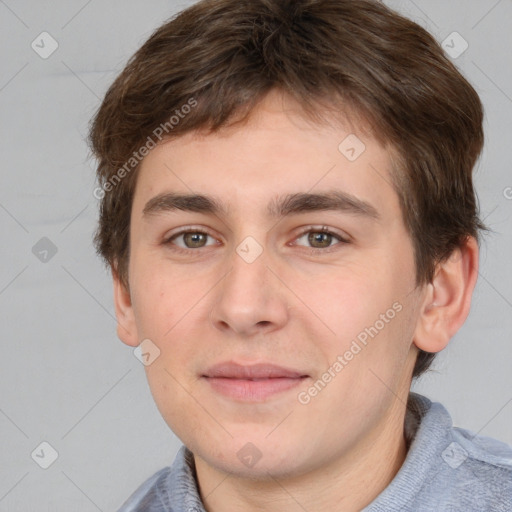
252,390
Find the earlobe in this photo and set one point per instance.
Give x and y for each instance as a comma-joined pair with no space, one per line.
448,298
126,327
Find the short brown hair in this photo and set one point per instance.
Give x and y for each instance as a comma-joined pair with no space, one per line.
221,57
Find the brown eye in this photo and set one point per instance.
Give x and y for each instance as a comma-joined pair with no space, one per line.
194,240
319,240
191,240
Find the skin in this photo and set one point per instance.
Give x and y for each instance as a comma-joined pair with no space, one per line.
292,306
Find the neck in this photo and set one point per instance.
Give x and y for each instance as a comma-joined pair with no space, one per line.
348,483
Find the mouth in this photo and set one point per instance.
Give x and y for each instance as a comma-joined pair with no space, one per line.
252,383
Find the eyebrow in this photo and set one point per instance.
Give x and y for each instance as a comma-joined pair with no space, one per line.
289,204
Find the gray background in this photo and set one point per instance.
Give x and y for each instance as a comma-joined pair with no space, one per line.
65,378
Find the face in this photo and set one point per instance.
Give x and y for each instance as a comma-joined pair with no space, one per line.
297,257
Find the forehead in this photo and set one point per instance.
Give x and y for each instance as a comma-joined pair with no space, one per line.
276,151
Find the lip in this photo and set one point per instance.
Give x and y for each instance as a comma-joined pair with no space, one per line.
252,383
232,370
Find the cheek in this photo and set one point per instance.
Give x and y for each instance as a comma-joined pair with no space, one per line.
161,299
169,390
348,302
168,311
367,318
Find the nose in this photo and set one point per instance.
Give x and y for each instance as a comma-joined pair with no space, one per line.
250,300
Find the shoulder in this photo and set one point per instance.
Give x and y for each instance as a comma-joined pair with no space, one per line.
474,473
173,488
447,469
484,462
148,496
484,449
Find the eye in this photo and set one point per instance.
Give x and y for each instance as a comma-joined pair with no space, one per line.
319,238
191,239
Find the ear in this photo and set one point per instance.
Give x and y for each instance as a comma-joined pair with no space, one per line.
126,326
448,298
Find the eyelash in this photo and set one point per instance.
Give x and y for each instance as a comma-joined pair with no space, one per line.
309,229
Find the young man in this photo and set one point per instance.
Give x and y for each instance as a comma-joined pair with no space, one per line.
288,211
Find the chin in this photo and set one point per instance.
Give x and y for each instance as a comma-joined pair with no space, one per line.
259,459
